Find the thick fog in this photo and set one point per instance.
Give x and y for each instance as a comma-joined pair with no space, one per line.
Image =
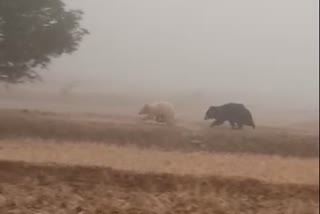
263,50
244,46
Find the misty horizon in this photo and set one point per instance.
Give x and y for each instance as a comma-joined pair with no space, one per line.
246,51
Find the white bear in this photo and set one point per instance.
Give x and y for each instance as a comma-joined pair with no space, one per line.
159,111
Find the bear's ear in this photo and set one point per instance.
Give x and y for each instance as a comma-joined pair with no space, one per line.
147,107
144,109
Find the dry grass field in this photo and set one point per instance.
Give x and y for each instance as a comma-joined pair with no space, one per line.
97,163
129,130
271,169
34,188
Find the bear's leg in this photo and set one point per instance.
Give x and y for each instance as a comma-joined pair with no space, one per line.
159,118
148,117
217,123
240,125
253,125
232,124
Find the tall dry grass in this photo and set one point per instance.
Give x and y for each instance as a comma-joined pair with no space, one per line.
27,188
82,164
131,131
273,169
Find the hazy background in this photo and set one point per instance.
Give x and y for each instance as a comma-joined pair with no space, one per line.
262,53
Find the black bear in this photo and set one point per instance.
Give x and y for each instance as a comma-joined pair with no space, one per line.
234,113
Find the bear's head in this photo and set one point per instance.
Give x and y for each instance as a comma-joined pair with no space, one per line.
145,109
211,113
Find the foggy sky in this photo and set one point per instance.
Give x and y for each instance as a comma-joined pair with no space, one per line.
247,46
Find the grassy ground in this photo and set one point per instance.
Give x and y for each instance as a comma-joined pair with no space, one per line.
124,131
111,164
55,189
271,169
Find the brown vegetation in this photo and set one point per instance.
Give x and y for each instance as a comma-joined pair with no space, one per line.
271,169
55,189
132,131
92,163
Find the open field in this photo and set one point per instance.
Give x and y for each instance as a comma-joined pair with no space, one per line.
271,169
29,188
98,163
129,130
